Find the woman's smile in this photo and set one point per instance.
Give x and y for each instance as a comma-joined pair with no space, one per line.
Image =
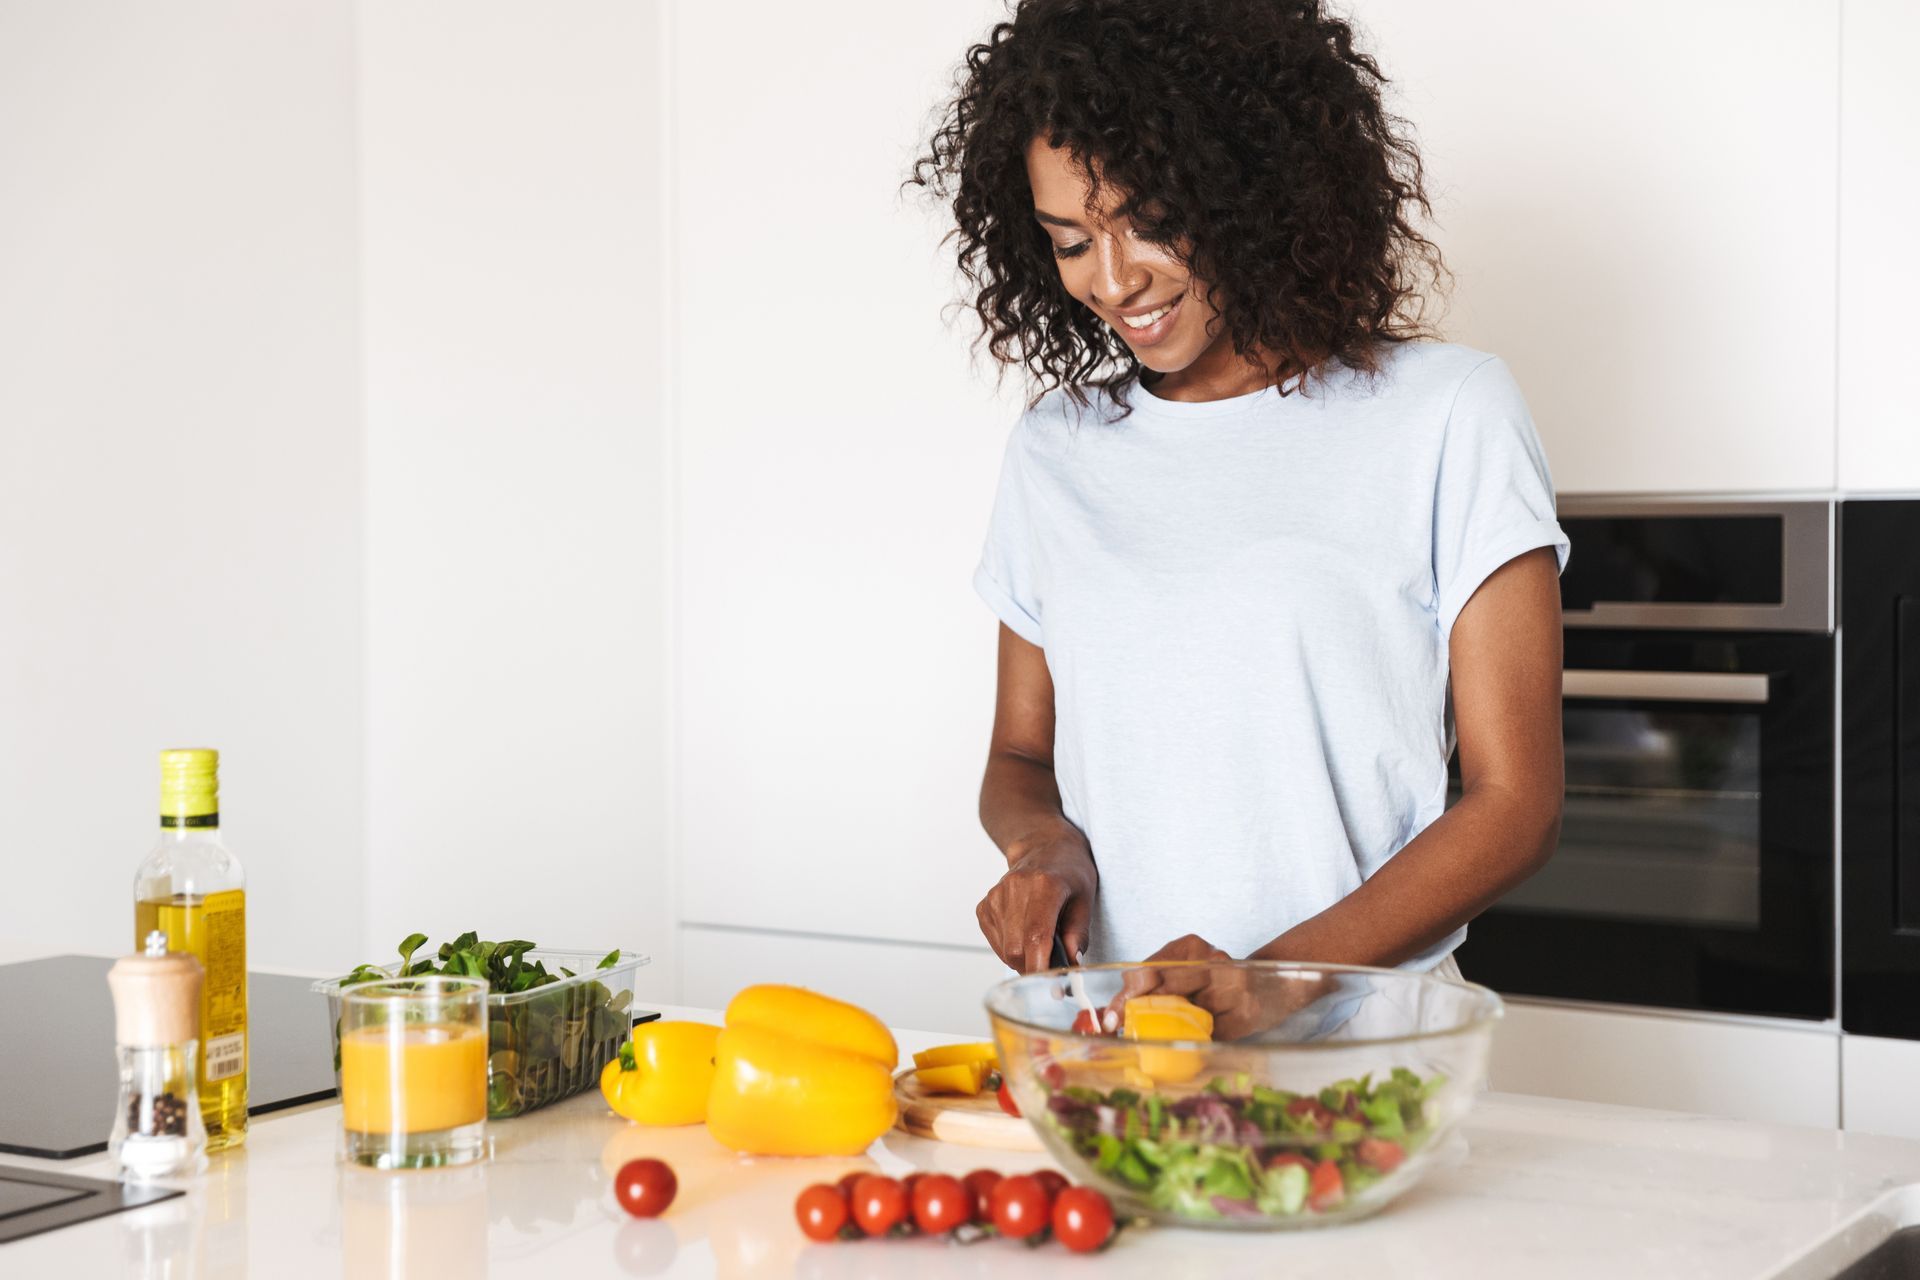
1148,328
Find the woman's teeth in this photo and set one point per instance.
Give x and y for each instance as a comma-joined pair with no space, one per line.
1141,322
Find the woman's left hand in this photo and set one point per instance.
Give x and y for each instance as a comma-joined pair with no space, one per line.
1223,989
1243,1000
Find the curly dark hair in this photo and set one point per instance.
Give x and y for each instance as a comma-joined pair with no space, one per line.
1251,132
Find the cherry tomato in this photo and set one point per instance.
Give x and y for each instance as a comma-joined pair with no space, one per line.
1082,1219
1007,1104
821,1210
846,1183
1327,1189
645,1187
1382,1154
1086,1023
981,1183
941,1203
1019,1206
1052,1180
879,1204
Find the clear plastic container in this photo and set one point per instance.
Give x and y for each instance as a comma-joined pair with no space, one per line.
545,1043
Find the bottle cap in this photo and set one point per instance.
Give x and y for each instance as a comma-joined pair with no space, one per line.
189,783
156,996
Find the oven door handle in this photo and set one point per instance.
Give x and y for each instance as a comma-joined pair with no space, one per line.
1749,688
1906,763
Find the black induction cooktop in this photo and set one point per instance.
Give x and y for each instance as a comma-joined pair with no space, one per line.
59,1059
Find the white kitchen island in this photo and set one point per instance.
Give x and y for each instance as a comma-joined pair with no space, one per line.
1544,1188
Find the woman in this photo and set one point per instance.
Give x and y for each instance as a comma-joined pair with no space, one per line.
1260,549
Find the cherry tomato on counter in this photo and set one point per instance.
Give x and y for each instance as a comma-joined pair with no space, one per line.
822,1211
879,1204
941,1203
846,1183
1020,1206
981,1183
1050,1180
645,1187
1082,1219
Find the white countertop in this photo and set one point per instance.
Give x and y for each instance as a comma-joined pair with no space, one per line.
1544,1188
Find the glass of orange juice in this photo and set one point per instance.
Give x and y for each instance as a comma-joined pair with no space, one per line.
413,1071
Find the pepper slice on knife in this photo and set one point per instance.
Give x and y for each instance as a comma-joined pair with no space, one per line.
1167,1017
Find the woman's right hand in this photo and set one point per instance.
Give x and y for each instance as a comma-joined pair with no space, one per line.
1049,888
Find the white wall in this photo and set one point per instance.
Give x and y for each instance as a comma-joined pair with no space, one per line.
180,452
406,574
515,483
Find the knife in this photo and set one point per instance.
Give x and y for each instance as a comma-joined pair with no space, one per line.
1076,981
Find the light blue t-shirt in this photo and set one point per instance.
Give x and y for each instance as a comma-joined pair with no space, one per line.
1245,606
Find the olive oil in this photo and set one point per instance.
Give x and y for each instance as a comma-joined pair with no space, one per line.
194,891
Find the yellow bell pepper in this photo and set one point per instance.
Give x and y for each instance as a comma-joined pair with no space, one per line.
800,1074
1163,1017
663,1074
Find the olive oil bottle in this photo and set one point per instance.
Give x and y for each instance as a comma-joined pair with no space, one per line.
191,889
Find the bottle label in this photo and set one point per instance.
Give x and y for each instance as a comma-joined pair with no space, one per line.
226,1056
224,1005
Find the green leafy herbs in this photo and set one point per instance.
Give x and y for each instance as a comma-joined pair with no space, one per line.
549,1032
503,964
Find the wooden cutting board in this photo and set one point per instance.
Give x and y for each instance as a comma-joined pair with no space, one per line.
951,1117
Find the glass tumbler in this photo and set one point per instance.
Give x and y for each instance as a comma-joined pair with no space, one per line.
413,1072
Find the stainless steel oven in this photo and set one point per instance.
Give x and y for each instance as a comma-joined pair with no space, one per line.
1696,861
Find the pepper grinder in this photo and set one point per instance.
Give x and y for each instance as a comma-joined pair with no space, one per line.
157,1131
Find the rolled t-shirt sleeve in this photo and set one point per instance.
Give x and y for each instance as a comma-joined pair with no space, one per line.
1005,577
1493,498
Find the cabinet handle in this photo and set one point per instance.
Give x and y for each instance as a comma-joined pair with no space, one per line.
1750,688
1906,762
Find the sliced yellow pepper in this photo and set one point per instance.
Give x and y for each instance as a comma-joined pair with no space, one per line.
948,1055
1164,1017
955,1077
663,1074
800,1074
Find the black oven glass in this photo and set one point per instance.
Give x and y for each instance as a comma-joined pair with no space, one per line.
1695,865
1673,560
1661,821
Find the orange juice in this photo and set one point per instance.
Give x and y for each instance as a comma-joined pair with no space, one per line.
413,1078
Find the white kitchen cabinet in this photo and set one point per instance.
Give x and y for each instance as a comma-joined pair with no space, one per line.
1645,227
932,988
1746,1070
833,479
1880,1085
1879,414
514,467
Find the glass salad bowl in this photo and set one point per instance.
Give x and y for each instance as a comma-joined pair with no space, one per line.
1244,1094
